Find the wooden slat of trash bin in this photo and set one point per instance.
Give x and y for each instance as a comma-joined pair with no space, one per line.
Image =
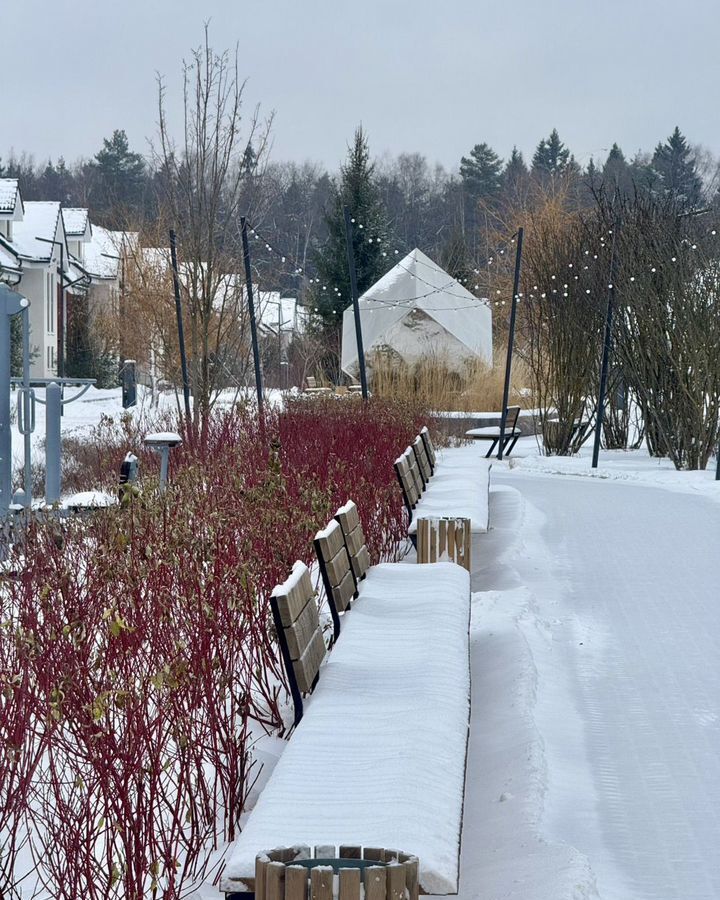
296,880
444,539
375,883
349,884
321,883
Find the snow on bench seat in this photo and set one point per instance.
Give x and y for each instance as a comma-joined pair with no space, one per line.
489,432
379,756
458,501
459,490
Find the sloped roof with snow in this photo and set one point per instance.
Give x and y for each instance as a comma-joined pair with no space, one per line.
38,226
9,262
413,292
9,195
77,223
104,251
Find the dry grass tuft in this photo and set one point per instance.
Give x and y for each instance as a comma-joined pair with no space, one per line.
438,387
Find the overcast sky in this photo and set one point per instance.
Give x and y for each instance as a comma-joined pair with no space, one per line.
427,76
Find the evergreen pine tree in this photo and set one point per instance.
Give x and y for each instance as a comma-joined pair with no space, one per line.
674,164
358,191
119,177
616,173
551,157
481,172
55,183
515,170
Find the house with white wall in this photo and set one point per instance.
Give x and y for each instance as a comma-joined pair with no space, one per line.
39,243
11,211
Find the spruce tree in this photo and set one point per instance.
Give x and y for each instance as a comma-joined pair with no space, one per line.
515,171
674,164
617,175
119,176
552,157
481,172
357,189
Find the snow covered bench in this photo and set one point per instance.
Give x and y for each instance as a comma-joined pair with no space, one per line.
460,492
345,567
379,756
492,433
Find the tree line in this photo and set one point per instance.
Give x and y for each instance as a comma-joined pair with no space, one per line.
216,170
449,214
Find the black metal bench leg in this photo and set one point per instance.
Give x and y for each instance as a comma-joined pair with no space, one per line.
512,445
492,447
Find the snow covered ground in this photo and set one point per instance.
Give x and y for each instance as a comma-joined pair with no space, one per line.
594,760
594,767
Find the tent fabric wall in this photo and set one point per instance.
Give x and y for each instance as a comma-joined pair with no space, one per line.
418,310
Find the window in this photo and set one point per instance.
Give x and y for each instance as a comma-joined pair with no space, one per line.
51,302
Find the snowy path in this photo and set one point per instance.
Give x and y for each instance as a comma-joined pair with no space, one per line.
601,636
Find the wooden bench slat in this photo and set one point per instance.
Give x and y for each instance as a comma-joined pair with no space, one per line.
308,665
330,540
299,635
345,591
407,480
422,458
427,440
348,517
292,602
361,562
355,539
338,567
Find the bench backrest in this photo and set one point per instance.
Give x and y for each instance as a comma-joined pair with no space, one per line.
421,457
512,414
425,435
348,519
411,493
415,470
336,571
300,636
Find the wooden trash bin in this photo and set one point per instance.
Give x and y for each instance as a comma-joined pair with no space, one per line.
444,540
336,873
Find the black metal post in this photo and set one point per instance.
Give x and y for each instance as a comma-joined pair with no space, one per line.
251,309
511,340
356,306
600,413
717,469
181,331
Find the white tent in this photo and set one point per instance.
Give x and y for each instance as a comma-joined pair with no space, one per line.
417,310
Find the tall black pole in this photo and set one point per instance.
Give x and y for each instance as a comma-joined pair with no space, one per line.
181,331
600,413
511,340
356,305
251,309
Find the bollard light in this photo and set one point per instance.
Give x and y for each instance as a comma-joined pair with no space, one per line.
163,442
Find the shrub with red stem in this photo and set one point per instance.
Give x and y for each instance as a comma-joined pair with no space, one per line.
138,653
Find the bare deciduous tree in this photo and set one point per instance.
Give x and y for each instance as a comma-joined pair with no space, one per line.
211,177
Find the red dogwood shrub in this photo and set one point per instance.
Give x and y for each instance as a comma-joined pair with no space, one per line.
137,654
